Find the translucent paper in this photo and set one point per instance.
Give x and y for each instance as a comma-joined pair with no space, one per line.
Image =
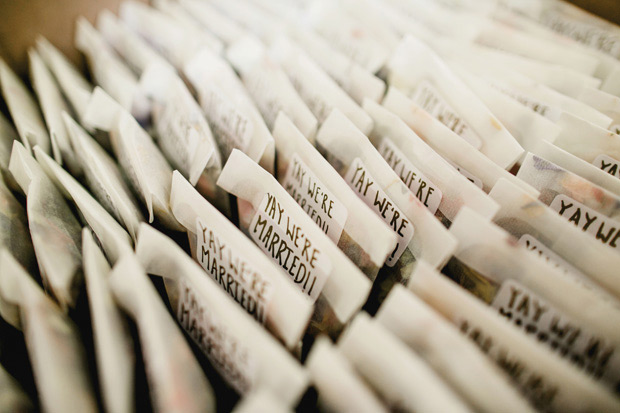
247,357
14,232
320,92
454,357
601,172
605,103
556,184
184,136
136,52
354,79
400,376
178,41
232,116
24,110
104,179
432,179
239,267
109,71
176,380
526,125
262,401
545,233
536,296
57,356
275,222
147,170
587,141
113,342
474,165
536,96
251,16
339,386
326,197
226,29
55,231
7,136
114,239
348,34
269,86
420,234
73,85
52,105
423,76
548,381
560,78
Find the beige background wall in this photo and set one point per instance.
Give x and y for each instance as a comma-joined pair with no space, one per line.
22,20
609,9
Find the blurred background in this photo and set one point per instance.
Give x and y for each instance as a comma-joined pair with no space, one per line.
22,20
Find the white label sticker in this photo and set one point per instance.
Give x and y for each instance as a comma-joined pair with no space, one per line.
223,262
537,318
550,112
539,387
361,181
230,357
431,101
426,191
533,245
314,198
601,227
279,235
233,129
607,164
470,177
591,35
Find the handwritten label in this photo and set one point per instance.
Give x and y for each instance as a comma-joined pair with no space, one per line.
230,357
279,235
178,123
233,129
539,319
426,191
431,101
588,34
314,198
607,164
538,387
470,177
247,286
550,112
601,227
533,245
362,182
